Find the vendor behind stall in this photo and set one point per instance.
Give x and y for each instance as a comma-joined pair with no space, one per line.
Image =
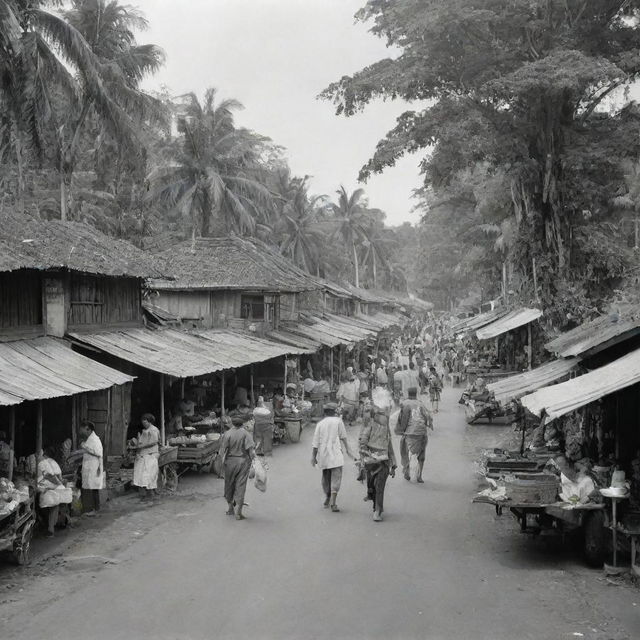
145,468
53,495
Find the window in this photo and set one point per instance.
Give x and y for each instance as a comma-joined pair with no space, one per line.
252,307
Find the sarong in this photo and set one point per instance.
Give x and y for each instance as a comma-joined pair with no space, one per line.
412,445
236,474
377,475
145,471
331,480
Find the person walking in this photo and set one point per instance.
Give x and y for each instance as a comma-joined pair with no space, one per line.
435,389
329,442
92,468
237,450
376,450
145,467
412,426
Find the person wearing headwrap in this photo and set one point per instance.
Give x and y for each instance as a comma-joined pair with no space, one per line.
376,449
237,450
413,422
145,467
92,468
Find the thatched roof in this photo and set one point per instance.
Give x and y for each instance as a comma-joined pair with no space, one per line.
231,263
29,243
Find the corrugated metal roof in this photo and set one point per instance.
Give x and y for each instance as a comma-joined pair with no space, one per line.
519,385
591,335
477,321
288,337
47,368
182,354
29,243
508,322
568,396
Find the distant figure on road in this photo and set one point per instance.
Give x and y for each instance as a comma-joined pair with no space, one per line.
413,422
237,450
263,428
376,450
435,388
329,440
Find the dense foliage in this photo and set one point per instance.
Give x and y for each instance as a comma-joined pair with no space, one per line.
525,133
80,140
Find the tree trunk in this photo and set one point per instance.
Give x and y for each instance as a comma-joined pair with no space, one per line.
355,265
375,269
63,197
17,146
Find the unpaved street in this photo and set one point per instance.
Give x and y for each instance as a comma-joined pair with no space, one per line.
437,567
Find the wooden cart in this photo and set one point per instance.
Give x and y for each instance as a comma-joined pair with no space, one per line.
198,456
168,468
16,530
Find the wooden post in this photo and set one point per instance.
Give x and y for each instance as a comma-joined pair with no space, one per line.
253,400
182,381
222,400
12,441
530,360
107,431
300,377
284,386
38,437
331,365
162,432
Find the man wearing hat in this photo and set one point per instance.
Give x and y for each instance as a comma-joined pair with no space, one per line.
329,441
413,422
237,450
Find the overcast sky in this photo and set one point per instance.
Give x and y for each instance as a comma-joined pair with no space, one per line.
275,56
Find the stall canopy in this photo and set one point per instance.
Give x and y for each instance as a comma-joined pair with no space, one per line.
509,322
597,335
519,385
292,339
477,321
43,368
181,354
573,394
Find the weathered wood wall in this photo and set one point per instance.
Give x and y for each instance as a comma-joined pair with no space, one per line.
20,300
98,300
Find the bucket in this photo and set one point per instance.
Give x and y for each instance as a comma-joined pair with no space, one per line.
294,427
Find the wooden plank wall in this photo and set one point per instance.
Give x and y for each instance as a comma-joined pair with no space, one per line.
190,305
20,299
98,300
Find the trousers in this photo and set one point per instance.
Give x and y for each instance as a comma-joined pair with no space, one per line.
377,475
331,480
236,474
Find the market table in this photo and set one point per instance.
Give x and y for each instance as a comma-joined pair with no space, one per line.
16,530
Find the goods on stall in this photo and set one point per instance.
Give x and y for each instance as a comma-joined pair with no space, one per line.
538,488
11,496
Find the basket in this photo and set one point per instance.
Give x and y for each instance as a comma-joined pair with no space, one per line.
531,488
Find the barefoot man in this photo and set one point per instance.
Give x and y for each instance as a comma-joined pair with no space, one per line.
413,422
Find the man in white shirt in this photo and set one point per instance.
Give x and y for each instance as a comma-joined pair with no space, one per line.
329,439
92,468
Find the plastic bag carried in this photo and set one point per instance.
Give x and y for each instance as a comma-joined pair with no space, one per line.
260,481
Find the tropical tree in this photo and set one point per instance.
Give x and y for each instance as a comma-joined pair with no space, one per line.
303,227
352,224
209,174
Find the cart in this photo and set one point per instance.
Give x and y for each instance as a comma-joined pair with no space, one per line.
287,429
590,519
16,530
198,456
168,468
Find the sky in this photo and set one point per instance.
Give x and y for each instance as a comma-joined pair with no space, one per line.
275,57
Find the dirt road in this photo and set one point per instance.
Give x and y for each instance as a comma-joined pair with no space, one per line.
437,567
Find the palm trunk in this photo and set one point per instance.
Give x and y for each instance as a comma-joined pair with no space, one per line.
375,270
355,265
17,145
63,198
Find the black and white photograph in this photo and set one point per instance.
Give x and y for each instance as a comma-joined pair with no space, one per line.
319,319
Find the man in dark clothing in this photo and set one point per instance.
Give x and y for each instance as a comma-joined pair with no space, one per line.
413,422
237,450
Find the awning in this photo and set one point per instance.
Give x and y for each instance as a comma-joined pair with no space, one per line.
336,326
285,336
182,354
596,335
477,321
571,395
509,322
43,368
514,387
316,334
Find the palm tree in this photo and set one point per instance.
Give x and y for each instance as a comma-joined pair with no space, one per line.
108,28
377,246
352,223
301,226
211,172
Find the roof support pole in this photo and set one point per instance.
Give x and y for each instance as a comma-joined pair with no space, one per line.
284,386
162,431
253,400
530,340
38,438
222,401
331,365
12,441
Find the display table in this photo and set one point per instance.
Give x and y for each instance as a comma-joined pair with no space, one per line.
615,528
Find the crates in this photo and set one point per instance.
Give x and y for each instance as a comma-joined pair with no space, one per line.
532,488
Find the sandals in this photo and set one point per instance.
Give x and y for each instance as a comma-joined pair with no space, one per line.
334,508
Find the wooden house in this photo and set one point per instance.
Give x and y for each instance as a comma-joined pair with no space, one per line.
55,278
